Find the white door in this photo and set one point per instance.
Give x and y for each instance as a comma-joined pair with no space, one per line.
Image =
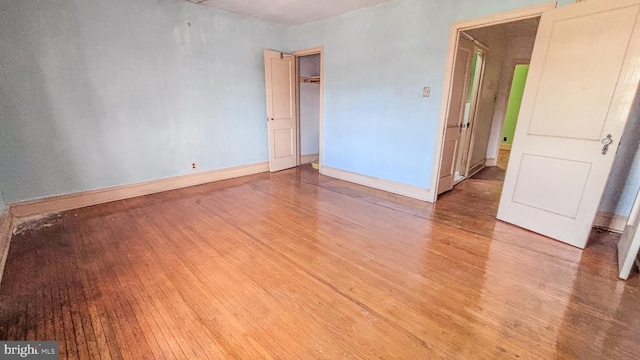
468,140
283,134
582,79
629,243
455,113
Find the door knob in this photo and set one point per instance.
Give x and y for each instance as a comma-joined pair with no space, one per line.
606,142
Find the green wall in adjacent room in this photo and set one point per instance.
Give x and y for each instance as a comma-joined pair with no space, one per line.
515,100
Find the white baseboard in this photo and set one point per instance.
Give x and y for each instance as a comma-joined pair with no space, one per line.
492,162
505,147
5,238
475,168
376,183
610,221
100,196
306,159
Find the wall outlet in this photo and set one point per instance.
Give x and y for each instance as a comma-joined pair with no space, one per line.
504,139
426,91
194,166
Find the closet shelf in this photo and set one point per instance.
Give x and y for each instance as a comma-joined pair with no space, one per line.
310,79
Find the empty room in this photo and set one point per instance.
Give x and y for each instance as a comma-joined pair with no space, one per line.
299,179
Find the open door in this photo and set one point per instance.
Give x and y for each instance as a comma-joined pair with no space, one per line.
455,113
582,81
283,134
468,126
629,243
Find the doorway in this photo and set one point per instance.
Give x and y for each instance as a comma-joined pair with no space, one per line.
492,100
309,100
561,153
442,161
294,94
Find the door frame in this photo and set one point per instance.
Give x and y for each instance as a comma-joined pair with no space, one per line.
629,242
298,54
456,28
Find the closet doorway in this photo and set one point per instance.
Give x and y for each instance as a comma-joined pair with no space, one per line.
294,89
309,71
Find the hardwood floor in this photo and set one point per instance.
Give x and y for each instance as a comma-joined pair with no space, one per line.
297,265
503,158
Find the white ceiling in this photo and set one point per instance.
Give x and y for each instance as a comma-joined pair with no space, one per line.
522,28
290,12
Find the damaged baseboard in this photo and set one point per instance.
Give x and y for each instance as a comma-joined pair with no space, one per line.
475,168
611,222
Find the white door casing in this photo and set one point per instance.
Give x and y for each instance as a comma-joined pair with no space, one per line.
455,113
583,76
629,243
282,128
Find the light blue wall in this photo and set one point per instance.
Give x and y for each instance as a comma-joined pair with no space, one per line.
101,93
624,182
377,61
96,94
2,203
